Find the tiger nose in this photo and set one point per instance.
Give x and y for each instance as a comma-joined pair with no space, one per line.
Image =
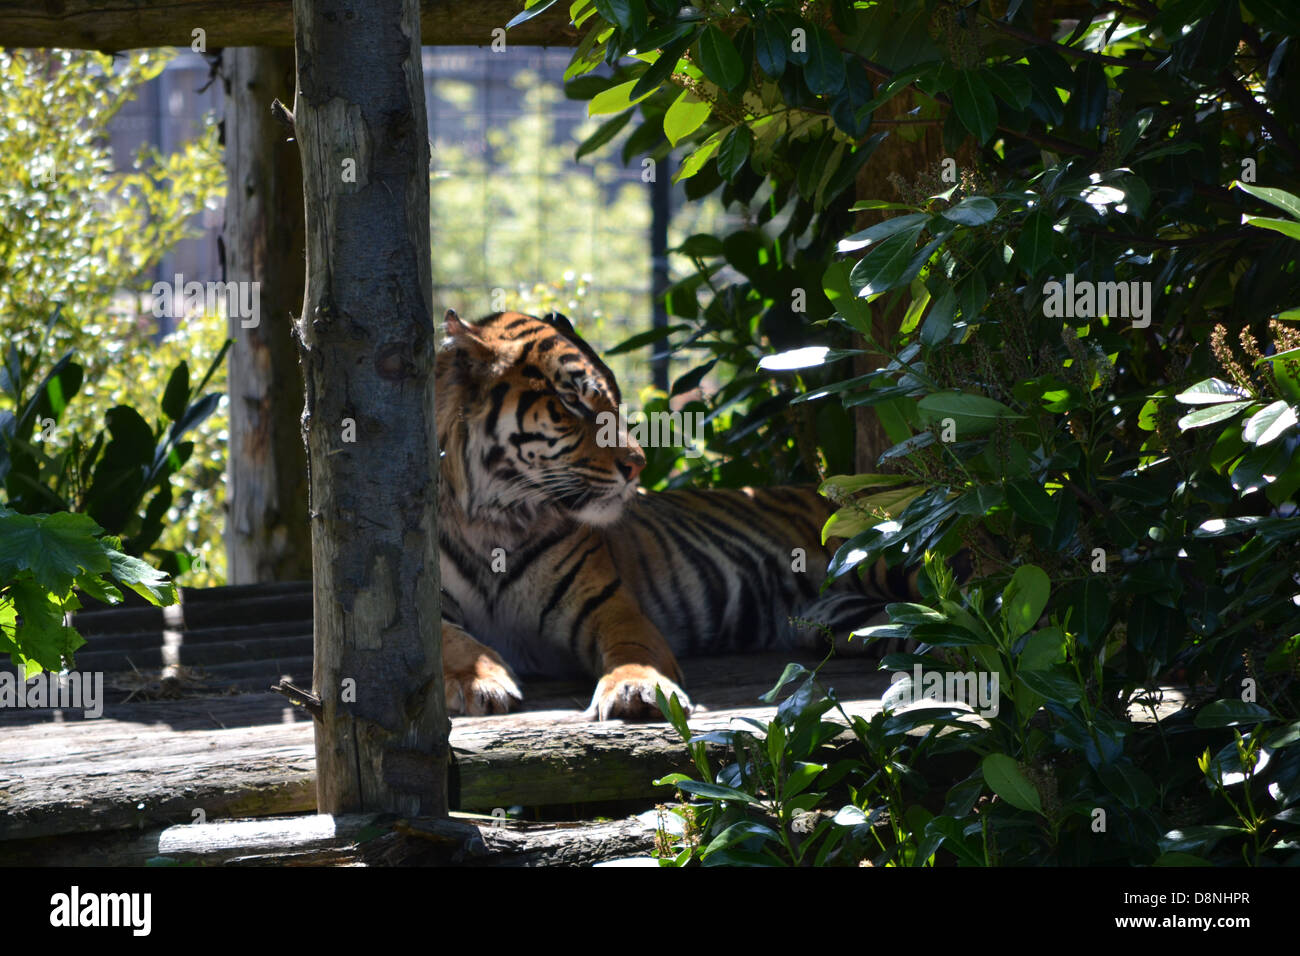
632,464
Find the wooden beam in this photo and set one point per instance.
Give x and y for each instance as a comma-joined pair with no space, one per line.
119,775
110,25
159,762
350,840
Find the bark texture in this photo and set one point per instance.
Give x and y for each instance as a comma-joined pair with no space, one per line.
267,535
367,345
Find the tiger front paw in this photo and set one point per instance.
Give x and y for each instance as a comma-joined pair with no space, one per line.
485,686
628,693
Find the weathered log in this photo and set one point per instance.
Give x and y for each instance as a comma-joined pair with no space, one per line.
221,756
124,24
347,840
124,775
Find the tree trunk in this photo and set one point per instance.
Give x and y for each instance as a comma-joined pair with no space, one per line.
367,345
267,535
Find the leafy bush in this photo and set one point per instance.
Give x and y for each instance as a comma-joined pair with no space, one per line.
1063,293
109,477
78,240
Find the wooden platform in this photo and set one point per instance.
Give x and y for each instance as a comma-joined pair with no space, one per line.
190,733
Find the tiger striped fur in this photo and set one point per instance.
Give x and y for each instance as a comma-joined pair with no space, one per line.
554,561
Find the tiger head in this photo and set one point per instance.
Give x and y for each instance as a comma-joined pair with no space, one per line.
528,423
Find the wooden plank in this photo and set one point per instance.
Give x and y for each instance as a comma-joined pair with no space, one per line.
124,24
154,764
348,840
150,765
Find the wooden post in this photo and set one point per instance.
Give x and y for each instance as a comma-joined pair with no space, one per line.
367,345
267,536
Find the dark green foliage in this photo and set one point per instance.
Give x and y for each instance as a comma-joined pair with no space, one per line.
1093,397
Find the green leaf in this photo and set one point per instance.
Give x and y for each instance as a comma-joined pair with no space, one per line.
847,108
604,133
685,116
801,778
528,14
615,99
975,106
972,211
1287,202
1092,611
938,323
1284,226
1010,84
177,394
1208,416
145,580
695,162
862,204
1133,787
1025,598
642,339
1230,713
971,414
716,791
56,548
622,13
46,642
792,672
1201,838
719,60
952,834
907,613
884,266
824,72
771,41
1030,502
734,151
1210,392
881,230
739,833
692,378
1057,684
1042,650
1004,777
1269,424
1087,101
662,67
1034,250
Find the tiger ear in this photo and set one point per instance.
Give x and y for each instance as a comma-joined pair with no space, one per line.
458,334
560,321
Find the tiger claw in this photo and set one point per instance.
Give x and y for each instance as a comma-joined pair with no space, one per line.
628,693
487,688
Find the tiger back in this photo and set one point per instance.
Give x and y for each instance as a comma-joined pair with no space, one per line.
555,562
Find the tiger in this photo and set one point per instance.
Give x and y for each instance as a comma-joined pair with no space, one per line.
555,562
